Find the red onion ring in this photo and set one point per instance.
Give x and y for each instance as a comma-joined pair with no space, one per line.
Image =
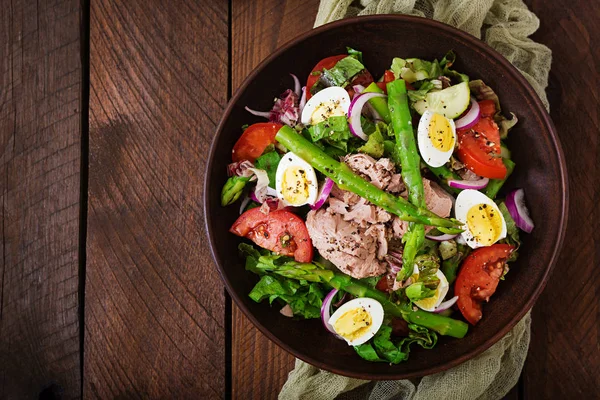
264,114
476,185
296,85
471,117
515,203
355,111
445,305
441,238
302,101
326,311
325,191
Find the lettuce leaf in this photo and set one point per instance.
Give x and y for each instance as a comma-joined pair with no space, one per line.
343,71
374,146
334,131
355,53
383,349
269,162
484,92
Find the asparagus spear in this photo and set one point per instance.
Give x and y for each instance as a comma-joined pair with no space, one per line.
495,185
379,103
313,272
411,173
346,179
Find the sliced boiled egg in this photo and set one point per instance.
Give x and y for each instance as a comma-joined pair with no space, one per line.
483,222
431,303
330,102
358,320
436,137
295,181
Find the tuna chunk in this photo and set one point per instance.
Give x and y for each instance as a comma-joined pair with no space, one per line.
381,173
437,199
353,249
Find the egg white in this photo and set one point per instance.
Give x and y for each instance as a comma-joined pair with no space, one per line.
464,201
334,97
432,156
373,307
292,160
440,293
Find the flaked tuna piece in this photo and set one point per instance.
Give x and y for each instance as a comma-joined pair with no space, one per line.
381,173
437,199
353,249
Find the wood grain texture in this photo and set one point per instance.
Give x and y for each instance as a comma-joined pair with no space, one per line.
259,366
40,155
154,320
564,357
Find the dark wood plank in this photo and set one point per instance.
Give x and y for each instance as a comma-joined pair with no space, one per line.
260,367
40,156
563,360
154,318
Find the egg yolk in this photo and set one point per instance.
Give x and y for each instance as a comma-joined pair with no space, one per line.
294,185
484,223
353,323
325,110
440,133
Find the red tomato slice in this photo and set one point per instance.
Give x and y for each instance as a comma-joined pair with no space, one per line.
388,76
326,63
280,231
487,108
479,149
254,141
478,279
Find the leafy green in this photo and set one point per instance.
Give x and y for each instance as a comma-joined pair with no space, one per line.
414,69
382,348
374,146
418,291
421,92
232,190
305,298
269,162
355,53
446,63
512,231
343,71
451,265
334,131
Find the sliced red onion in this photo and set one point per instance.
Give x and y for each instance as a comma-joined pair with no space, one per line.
476,185
358,89
302,101
445,305
264,114
245,203
471,117
326,310
441,238
296,85
325,191
355,111
515,203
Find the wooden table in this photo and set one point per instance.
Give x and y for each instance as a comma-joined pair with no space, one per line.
107,286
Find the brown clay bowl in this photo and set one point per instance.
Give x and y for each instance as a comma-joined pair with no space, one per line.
535,148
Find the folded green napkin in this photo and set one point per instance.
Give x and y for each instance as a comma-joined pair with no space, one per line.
505,25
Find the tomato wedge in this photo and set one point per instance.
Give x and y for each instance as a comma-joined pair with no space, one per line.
479,277
254,141
280,231
326,63
479,149
487,108
388,77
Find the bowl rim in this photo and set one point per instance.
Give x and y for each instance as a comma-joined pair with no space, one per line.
535,100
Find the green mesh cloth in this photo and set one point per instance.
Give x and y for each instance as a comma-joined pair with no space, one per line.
505,25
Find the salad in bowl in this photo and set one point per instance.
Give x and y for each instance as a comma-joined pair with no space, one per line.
374,204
